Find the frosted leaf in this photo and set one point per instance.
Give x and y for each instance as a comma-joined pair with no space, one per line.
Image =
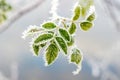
42,38
76,58
65,35
62,44
51,53
30,30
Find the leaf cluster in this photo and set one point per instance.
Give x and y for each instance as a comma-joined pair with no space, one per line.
56,38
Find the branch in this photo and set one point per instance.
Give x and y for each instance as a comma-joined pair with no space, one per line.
19,14
54,7
110,6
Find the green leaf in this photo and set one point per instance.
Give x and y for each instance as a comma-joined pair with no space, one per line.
51,32
43,38
61,44
72,28
9,7
71,42
84,10
91,17
76,57
49,25
42,45
86,25
36,49
64,34
76,13
85,6
4,16
51,53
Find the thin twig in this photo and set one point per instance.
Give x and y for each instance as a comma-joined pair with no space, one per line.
19,14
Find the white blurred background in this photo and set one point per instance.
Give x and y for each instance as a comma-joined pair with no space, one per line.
100,46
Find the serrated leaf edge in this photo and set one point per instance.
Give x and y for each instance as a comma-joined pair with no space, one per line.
44,57
62,36
33,39
60,47
48,22
79,66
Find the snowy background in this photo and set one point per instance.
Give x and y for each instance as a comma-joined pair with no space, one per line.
100,46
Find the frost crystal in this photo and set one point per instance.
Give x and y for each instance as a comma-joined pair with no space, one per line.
54,7
30,30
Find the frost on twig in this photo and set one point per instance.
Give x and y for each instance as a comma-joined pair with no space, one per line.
53,11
